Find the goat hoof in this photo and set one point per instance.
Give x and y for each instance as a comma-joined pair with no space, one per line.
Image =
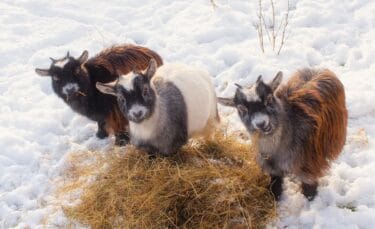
101,134
309,191
122,139
152,156
276,193
276,187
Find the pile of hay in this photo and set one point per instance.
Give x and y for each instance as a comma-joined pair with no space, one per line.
208,184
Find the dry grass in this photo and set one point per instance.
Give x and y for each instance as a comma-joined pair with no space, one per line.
208,184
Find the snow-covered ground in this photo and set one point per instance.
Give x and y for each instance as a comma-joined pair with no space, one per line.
37,131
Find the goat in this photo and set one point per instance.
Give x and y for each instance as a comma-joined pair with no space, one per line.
299,128
165,106
74,80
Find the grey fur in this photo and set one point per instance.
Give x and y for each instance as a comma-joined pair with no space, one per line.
170,131
277,151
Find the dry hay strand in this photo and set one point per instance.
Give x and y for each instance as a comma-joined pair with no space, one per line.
207,184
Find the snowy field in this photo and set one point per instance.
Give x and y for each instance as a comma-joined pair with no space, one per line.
37,130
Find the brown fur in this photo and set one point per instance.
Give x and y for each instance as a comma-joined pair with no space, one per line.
124,58
319,98
116,121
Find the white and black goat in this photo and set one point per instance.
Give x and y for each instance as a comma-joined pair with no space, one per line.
74,80
165,106
298,127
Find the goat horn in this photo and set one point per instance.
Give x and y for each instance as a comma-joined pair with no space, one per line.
67,54
118,79
53,60
239,86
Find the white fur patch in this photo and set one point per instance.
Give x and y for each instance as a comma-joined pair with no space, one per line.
251,94
259,118
136,108
146,129
198,92
69,87
126,81
61,63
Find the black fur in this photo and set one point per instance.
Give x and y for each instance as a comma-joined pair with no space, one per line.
142,94
88,101
102,133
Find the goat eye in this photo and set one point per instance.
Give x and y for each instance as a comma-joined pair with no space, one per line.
76,71
145,91
242,110
55,78
269,100
121,100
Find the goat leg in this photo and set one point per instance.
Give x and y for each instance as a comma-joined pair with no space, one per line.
276,186
102,132
309,190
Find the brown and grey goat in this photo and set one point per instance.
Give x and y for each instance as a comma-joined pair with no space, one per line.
299,127
74,80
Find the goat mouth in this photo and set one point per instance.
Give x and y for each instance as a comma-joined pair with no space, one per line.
267,129
136,120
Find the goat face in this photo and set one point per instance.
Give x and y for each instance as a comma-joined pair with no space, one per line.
257,106
134,93
70,79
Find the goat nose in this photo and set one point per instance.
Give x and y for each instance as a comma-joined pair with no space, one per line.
69,91
137,114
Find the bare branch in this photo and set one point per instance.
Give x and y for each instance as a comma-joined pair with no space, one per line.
282,42
273,25
260,27
266,29
269,27
213,3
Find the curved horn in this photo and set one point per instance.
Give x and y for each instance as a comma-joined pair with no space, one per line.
67,54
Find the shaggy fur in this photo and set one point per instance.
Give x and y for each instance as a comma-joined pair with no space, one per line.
314,102
74,81
305,127
120,60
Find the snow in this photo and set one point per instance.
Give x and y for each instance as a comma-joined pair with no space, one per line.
37,130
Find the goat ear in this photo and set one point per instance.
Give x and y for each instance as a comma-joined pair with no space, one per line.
151,69
53,60
136,71
229,102
84,56
276,81
107,88
42,72
242,110
238,86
